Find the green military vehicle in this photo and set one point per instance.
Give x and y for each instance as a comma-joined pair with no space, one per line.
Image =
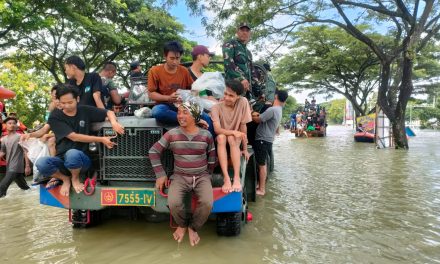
122,181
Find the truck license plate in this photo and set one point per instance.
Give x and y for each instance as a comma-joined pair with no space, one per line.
128,197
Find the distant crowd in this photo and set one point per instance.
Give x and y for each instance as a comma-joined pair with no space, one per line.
310,118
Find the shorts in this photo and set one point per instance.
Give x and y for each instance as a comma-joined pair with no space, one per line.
262,150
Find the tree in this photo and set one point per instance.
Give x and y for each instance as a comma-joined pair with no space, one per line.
329,61
32,91
290,107
100,31
18,18
411,23
335,111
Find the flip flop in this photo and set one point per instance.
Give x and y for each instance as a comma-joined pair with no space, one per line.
39,181
53,183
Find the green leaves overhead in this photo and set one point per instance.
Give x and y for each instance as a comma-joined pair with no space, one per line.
328,61
32,91
98,31
37,36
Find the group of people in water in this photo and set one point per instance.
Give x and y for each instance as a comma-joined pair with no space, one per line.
310,118
199,141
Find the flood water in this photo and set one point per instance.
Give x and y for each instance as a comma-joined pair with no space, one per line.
330,200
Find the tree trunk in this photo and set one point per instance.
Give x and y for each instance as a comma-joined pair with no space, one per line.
399,133
405,90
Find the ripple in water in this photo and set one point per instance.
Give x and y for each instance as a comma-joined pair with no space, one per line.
330,200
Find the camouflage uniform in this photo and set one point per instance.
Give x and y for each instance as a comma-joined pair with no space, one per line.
237,61
271,86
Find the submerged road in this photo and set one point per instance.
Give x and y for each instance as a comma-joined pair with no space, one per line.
330,200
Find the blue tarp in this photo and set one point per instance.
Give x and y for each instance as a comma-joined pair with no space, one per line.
410,132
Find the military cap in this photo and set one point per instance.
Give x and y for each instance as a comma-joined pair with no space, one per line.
244,24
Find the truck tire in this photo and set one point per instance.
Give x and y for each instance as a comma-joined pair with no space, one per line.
229,224
251,180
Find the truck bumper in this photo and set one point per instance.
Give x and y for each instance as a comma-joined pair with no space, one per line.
223,202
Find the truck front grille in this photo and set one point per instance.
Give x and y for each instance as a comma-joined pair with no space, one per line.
128,160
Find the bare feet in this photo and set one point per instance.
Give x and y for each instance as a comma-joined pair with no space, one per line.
227,188
194,238
77,185
179,234
65,188
260,192
236,187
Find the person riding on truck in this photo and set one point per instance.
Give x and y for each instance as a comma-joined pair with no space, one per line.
72,126
194,161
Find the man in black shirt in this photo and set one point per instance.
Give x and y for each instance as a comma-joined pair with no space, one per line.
71,127
88,84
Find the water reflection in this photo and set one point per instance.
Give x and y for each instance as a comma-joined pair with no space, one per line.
330,200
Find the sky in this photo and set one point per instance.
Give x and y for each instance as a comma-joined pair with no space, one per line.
195,31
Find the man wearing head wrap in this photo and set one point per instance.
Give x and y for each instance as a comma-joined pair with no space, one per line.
194,110
194,161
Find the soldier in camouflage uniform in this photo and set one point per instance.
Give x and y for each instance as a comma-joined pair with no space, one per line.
237,58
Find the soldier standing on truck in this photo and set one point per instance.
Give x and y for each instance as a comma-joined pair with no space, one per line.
238,59
194,161
72,127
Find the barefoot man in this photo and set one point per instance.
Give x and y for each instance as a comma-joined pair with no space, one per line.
194,160
268,123
230,118
72,127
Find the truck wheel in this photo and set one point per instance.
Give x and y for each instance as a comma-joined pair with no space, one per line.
251,180
229,224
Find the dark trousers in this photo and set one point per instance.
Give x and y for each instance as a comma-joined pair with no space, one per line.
11,176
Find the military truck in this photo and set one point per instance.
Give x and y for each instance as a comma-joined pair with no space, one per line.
122,180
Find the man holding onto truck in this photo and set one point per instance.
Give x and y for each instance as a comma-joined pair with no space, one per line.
268,123
72,126
194,161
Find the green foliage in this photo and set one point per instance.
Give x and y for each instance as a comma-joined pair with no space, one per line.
19,17
411,25
290,107
335,111
32,91
424,114
328,61
100,31
427,114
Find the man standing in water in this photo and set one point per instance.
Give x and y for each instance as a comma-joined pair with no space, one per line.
15,158
71,125
194,161
268,123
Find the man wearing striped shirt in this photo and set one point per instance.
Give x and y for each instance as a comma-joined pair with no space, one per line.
194,160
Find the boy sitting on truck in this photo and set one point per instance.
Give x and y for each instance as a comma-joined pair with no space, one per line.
194,161
230,118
